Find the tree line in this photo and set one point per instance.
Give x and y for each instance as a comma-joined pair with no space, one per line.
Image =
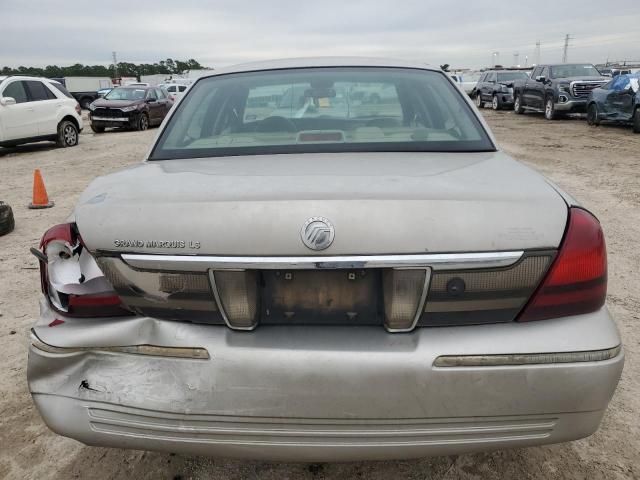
124,69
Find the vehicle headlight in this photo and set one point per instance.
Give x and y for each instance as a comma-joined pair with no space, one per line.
504,88
129,109
92,107
564,87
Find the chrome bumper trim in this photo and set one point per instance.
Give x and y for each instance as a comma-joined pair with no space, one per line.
110,119
151,350
437,261
526,359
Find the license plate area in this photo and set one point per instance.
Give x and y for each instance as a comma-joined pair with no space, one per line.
329,297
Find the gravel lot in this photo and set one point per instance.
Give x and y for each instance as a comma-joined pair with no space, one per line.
599,166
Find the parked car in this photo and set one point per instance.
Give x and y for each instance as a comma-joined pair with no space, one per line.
36,109
85,89
130,107
103,91
320,288
496,87
470,81
557,89
617,101
175,90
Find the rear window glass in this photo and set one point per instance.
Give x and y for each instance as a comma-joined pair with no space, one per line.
322,110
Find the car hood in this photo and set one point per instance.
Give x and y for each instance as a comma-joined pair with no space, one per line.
104,103
379,203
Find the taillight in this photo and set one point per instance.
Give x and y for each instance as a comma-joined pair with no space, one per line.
78,109
71,279
577,280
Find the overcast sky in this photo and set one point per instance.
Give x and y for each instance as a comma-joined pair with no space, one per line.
464,34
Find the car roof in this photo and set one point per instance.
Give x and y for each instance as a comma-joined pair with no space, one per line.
318,62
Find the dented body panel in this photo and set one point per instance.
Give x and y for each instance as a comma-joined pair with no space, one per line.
320,393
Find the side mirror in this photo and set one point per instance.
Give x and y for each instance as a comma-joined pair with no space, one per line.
541,78
6,101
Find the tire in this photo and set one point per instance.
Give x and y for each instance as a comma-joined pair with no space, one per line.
550,109
67,134
97,129
517,105
85,102
7,221
636,120
496,104
592,115
479,102
143,122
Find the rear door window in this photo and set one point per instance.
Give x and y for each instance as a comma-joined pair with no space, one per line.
18,91
38,92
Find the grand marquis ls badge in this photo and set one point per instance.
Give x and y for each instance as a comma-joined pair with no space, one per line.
317,233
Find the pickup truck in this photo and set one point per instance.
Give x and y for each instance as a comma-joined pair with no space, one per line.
557,89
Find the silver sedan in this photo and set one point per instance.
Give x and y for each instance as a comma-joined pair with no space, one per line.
324,260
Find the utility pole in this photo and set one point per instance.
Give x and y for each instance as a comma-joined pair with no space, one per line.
526,61
115,64
567,39
537,55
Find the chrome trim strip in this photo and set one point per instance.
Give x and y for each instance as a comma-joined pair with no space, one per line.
423,299
437,261
193,353
526,358
216,294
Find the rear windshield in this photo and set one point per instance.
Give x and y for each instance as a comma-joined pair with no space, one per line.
567,71
313,110
123,93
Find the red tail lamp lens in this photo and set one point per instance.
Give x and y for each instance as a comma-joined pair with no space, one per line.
97,298
577,281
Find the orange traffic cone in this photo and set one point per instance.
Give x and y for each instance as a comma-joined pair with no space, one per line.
40,197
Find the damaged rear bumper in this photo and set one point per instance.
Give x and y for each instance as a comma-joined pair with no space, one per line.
320,394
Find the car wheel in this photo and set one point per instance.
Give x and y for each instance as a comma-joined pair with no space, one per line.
592,115
7,222
143,122
97,129
517,105
636,120
550,109
479,102
495,103
85,102
67,134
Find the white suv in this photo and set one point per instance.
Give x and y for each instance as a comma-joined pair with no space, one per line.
35,109
175,90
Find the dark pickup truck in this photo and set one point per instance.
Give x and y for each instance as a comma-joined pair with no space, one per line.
557,89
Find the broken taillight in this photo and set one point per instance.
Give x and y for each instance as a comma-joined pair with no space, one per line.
70,278
577,280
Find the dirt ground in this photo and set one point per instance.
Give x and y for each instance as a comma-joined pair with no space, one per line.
599,166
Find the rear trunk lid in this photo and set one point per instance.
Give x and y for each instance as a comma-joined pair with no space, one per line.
378,203
381,205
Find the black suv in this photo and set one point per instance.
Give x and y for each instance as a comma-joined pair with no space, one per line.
496,86
554,89
132,107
